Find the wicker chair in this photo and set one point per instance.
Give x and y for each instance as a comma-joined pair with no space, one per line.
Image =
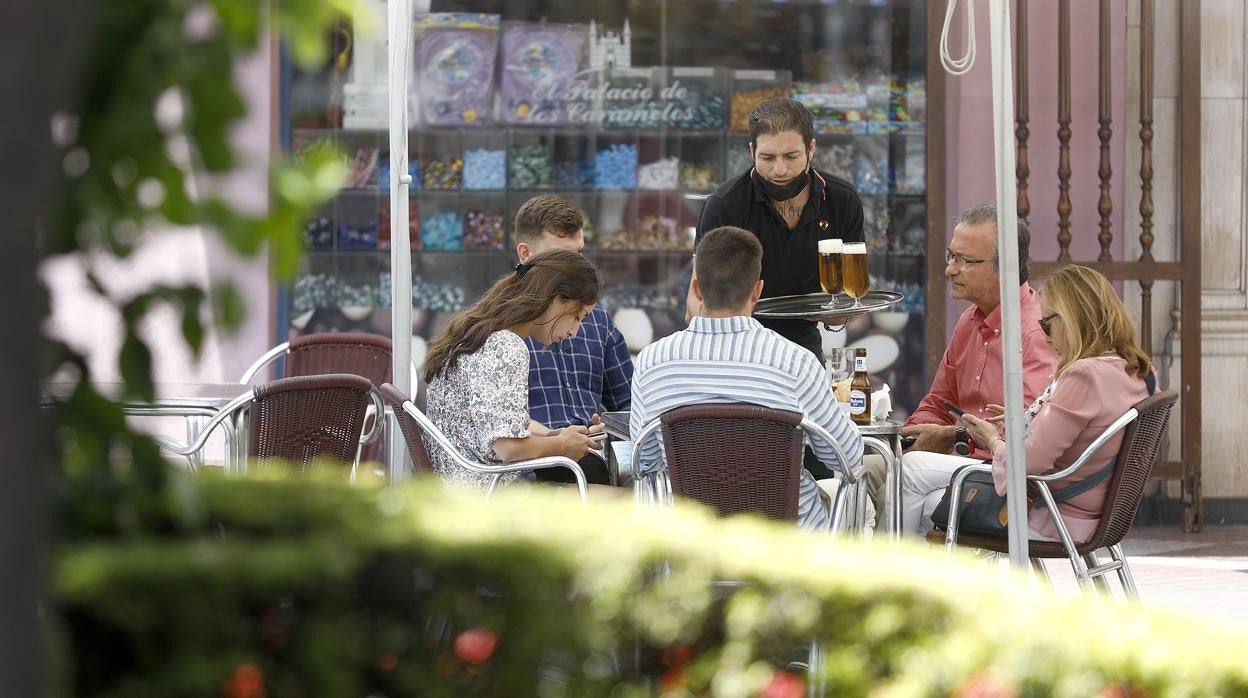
357,353
394,399
1145,424
737,458
300,419
415,426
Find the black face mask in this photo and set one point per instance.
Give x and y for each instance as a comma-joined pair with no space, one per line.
776,192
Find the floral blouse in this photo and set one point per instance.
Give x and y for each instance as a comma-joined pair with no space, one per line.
485,397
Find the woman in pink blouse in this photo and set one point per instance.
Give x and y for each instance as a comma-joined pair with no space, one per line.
1101,373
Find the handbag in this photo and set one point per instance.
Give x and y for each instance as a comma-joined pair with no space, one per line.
984,512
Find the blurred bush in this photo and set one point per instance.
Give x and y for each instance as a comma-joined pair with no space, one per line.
307,588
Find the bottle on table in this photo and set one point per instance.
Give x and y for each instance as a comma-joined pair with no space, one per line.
860,389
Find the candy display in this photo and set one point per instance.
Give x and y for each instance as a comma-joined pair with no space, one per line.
441,231
697,176
357,237
485,169
413,225
442,298
660,233
442,174
871,166
619,238
837,158
539,64
694,98
315,291
629,99
318,233
530,166
483,230
455,58
383,172
574,174
616,167
835,106
744,100
875,223
659,175
362,168
739,159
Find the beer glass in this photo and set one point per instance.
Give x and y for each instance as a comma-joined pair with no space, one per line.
854,274
830,269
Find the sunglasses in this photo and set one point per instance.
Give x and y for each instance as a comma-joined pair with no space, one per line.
1046,323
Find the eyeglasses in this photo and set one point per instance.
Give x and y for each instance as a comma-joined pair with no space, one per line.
1046,323
960,261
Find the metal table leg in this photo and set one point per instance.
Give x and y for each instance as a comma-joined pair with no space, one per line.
890,451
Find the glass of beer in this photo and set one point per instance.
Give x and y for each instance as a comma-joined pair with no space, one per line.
854,275
830,268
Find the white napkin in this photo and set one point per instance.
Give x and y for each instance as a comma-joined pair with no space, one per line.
881,403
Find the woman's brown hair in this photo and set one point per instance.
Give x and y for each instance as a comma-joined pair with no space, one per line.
1094,319
520,296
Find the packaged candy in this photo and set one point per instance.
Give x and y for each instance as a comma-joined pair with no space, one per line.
539,65
455,57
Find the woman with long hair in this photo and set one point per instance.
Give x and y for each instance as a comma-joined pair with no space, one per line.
477,370
1101,373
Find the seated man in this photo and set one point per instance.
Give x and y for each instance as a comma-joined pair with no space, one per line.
571,381
970,374
727,356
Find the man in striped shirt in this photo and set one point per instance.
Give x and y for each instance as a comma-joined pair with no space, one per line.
727,356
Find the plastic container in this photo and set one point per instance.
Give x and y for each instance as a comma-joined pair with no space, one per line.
539,72
751,88
455,60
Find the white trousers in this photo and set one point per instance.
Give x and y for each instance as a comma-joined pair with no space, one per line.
924,477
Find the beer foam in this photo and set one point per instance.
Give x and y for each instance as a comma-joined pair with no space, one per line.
854,248
830,246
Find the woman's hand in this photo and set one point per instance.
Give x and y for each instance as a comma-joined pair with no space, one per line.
983,431
573,442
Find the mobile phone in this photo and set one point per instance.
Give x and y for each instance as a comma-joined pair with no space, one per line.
953,409
600,436
908,441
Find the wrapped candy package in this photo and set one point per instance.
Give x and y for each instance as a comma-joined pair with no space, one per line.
539,65
455,58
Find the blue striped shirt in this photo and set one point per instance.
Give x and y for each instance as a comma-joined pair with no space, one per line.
736,359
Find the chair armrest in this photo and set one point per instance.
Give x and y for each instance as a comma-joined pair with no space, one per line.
226,412
848,472
378,410
265,359
541,464
646,431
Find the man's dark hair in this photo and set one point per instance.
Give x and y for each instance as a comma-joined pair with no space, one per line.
780,115
728,263
987,214
546,214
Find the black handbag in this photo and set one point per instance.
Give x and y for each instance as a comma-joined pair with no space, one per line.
984,512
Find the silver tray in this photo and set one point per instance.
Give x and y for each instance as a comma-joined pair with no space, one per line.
813,306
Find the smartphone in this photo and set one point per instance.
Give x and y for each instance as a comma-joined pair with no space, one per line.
600,436
953,409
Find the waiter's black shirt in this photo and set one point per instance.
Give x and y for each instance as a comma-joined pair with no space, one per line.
790,257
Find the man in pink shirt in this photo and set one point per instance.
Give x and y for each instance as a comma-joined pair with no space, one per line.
970,374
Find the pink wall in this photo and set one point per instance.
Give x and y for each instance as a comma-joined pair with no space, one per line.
969,170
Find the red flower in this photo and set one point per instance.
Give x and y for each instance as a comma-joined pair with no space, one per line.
985,686
247,681
784,685
475,646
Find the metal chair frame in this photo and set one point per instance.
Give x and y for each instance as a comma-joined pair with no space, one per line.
227,417
495,471
1083,559
654,489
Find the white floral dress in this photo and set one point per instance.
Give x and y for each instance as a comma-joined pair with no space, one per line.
485,397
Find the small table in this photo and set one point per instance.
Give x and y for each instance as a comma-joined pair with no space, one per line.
193,401
882,437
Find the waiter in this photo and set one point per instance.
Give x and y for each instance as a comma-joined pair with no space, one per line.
789,205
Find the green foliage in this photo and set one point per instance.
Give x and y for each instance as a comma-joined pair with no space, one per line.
141,153
308,588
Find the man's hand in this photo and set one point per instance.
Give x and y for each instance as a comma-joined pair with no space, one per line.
573,441
936,438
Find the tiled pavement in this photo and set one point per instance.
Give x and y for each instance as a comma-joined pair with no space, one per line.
1204,574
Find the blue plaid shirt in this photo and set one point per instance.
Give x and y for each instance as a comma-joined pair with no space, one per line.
571,380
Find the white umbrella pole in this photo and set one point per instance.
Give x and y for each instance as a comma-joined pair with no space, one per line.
1007,254
400,32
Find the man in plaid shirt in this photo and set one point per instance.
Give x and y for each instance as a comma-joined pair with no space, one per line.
571,381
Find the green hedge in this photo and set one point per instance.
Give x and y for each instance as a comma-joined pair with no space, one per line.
287,588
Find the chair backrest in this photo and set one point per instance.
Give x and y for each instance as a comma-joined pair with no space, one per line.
412,433
1141,445
735,457
304,418
358,353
